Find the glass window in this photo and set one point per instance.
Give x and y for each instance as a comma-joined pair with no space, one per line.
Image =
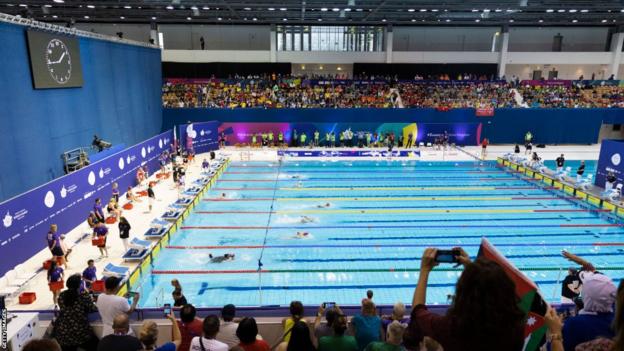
330,38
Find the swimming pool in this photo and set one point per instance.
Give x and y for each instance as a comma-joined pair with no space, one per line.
382,215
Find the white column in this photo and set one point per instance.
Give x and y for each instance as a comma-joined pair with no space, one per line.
273,41
616,53
502,55
389,36
154,33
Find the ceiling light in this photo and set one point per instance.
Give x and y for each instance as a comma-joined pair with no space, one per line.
169,7
509,10
498,10
153,18
47,5
622,10
411,10
324,9
23,5
434,10
91,6
584,11
475,10
247,8
86,17
122,17
59,1
219,19
413,20
423,10
550,10
572,10
283,9
477,20
254,19
347,9
511,21
320,20
284,19
335,9
205,8
127,7
541,21
55,16
574,20
193,7
359,10
188,18
486,10
561,10
383,20
448,20
604,21
271,9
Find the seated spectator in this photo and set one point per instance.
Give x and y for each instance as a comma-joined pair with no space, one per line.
296,315
338,341
42,345
393,343
208,341
325,329
120,340
247,333
72,329
366,325
149,336
398,314
299,339
227,328
190,326
484,314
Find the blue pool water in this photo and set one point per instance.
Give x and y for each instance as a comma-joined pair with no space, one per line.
382,216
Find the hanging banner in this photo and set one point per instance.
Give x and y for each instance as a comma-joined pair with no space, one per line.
66,201
484,112
610,160
200,137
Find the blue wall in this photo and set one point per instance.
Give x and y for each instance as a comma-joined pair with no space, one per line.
550,126
119,101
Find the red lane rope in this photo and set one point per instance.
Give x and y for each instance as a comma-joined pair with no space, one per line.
211,272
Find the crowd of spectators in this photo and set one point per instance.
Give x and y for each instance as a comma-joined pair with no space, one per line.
383,92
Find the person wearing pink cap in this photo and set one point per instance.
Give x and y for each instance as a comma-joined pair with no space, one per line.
595,319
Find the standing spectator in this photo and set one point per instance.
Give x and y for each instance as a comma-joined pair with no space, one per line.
227,327
98,211
487,322
394,341
484,145
55,245
89,275
338,341
72,329
366,325
208,341
571,286
55,280
178,296
325,329
560,163
151,197
110,305
124,232
580,171
149,335
202,43
517,149
190,326
296,314
101,232
247,333
120,340
299,339
610,181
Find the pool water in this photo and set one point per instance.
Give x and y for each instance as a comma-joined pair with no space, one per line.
382,215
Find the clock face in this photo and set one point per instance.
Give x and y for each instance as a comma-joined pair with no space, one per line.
58,61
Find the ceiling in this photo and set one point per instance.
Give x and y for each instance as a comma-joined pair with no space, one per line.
323,12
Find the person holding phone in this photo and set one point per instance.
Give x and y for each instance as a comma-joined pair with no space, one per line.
484,314
149,335
325,329
110,305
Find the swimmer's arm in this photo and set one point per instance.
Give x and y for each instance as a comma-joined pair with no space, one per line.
587,266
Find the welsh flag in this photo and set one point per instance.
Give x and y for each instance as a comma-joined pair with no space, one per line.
531,301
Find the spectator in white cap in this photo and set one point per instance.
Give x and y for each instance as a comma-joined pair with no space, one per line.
595,319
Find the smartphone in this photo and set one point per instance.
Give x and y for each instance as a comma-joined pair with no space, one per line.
167,309
329,304
447,256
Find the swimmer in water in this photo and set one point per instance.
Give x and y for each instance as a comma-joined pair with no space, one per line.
295,177
325,205
223,258
223,195
302,235
306,219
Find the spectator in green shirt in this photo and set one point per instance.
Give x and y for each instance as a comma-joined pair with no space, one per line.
338,341
393,343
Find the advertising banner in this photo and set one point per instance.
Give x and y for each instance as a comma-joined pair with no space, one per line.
610,160
348,153
66,201
200,137
484,112
550,83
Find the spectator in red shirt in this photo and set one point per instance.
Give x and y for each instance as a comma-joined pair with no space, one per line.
190,326
247,333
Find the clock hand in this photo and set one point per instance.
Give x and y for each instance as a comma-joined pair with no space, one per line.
58,61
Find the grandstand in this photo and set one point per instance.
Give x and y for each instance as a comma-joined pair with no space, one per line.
311,175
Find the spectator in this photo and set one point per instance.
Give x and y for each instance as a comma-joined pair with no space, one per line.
475,320
227,328
149,336
338,341
42,345
120,340
325,329
299,339
72,329
110,305
398,314
190,326
247,333
596,317
178,296
571,286
296,314
208,341
366,325
395,338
